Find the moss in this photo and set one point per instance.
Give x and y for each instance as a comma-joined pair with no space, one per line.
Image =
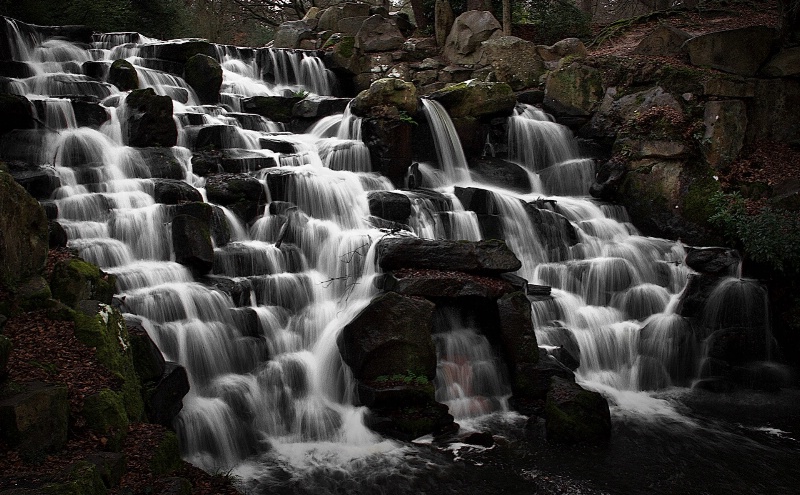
167,455
346,47
106,331
105,413
75,280
82,478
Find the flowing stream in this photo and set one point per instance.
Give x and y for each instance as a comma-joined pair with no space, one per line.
271,399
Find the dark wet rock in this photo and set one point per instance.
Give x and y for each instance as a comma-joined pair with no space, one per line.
149,121
275,108
389,205
713,261
390,147
162,164
237,160
739,345
238,289
16,112
179,51
565,357
476,199
165,400
500,173
218,137
482,257
674,346
15,69
40,182
695,294
172,192
316,107
390,336
204,75
57,236
95,70
739,51
435,283
89,114
36,419
122,74
148,361
243,194
532,381
386,97
277,145
207,162
574,415
516,329
608,180
191,240
210,215
412,421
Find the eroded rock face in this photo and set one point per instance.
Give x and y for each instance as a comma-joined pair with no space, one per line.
378,34
470,30
482,257
291,33
726,124
738,51
514,61
662,41
36,419
714,261
574,89
476,99
149,120
23,233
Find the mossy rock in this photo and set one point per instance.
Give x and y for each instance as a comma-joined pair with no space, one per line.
573,89
123,75
204,75
167,455
105,413
574,415
386,97
103,327
34,417
33,294
76,280
81,478
23,234
476,99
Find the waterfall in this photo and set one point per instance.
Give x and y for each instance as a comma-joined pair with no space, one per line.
451,157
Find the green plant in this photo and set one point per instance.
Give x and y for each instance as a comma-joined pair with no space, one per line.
768,235
405,117
300,93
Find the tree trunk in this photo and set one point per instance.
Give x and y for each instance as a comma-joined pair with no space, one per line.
506,17
419,14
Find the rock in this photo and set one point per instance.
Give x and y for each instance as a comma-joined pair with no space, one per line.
57,236
389,205
464,43
378,35
390,336
105,414
16,112
514,61
738,51
500,173
275,108
476,99
481,438
671,343
386,97
36,419
79,477
532,381
290,34
237,161
330,17
443,20
191,240
89,114
148,361
95,70
482,257
204,75
717,261
122,74
166,399
725,124
75,280
316,107
162,164
772,113
149,120
33,293
663,41
177,50
516,329
784,64
739,345
172,192
574,90
574,415
15,69
40,182
211,215
390,147
241,193
436,283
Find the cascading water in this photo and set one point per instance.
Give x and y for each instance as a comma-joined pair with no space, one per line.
268,387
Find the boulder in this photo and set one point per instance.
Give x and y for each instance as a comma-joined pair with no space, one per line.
16,112
74,280
40,181
57,236
149,120
574,415
162,164
316,107
172,192
573,89
291,34
122,74
516,329
15,69
330,17
390,336
378,34
178,51
36,419
725,125
386,98
218,137
532,380
390,144
275,108
110,466
482,257
464,43
148,361
243,194
443,20
436,283
476,99
165,400
89,114
210,215
204,75
613,111
663,41
717,261
500,173
784,64
191,240
739,51
105,414
389,205
738,345
514,61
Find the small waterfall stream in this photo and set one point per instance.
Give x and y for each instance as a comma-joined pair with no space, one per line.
268,386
